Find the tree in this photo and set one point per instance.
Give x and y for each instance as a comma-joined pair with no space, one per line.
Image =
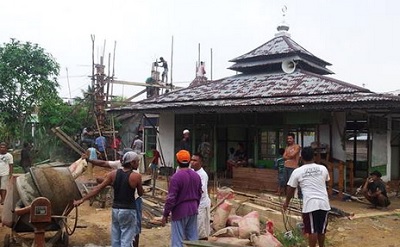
27,77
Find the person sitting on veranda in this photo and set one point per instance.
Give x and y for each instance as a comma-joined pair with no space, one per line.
374,190
239,159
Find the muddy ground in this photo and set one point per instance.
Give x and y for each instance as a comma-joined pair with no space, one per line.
370,229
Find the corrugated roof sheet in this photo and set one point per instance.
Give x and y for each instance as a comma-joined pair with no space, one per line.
266,91
278,45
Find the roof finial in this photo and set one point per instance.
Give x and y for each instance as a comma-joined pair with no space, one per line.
283,27
284,10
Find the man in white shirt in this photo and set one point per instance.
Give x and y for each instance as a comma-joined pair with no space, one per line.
312,180
203,217
6,170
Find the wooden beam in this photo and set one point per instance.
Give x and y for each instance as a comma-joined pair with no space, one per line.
136,95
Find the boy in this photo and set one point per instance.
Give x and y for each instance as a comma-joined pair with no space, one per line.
279,164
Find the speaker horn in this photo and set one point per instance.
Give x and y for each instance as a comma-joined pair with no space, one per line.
288,66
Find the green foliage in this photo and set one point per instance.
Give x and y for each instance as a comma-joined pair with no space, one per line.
27,78
296,239
56,113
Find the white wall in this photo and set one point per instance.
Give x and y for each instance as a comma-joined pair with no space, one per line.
167,137
338,127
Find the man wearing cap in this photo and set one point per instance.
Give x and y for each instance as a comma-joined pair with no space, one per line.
374,190
117,164
124,216
185,142
182,202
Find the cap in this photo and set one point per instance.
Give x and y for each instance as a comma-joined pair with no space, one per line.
186,131
124,151
129,157
376,173
183,157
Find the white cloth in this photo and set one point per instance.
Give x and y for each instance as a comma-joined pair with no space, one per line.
203,217
201,70
116,164
312,180
205,200
203,222
137,146
5,161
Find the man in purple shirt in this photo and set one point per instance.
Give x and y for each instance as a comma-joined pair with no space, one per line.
182,202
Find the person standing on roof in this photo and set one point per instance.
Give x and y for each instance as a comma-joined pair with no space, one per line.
201,71
164,64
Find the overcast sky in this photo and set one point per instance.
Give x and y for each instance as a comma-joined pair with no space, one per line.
360,38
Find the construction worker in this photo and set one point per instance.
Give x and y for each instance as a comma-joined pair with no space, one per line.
164,74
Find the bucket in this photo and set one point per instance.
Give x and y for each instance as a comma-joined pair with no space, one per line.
55,183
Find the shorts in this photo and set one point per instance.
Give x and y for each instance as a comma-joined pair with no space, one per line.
4,182
153,166
281,180
380,202
315,222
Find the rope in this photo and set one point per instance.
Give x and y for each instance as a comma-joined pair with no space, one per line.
285,217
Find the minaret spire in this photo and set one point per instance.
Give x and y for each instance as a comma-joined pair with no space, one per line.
283,27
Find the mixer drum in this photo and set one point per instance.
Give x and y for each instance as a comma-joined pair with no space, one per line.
55,183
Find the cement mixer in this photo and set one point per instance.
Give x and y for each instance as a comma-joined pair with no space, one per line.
40,201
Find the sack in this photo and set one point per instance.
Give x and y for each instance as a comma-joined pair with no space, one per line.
266,240
78,167
230,240
249,224
221,215
12,197
230,231
233,220
224,193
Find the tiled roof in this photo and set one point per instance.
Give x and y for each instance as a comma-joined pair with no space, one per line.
267,92
277,46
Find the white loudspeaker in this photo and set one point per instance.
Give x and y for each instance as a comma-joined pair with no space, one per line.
288,66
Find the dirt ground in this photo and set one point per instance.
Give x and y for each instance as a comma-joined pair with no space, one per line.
370,229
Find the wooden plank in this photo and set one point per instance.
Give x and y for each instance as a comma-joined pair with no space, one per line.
375,213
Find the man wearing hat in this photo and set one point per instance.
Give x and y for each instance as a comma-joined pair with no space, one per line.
182,202
125,183
185,142
117,164
374,190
